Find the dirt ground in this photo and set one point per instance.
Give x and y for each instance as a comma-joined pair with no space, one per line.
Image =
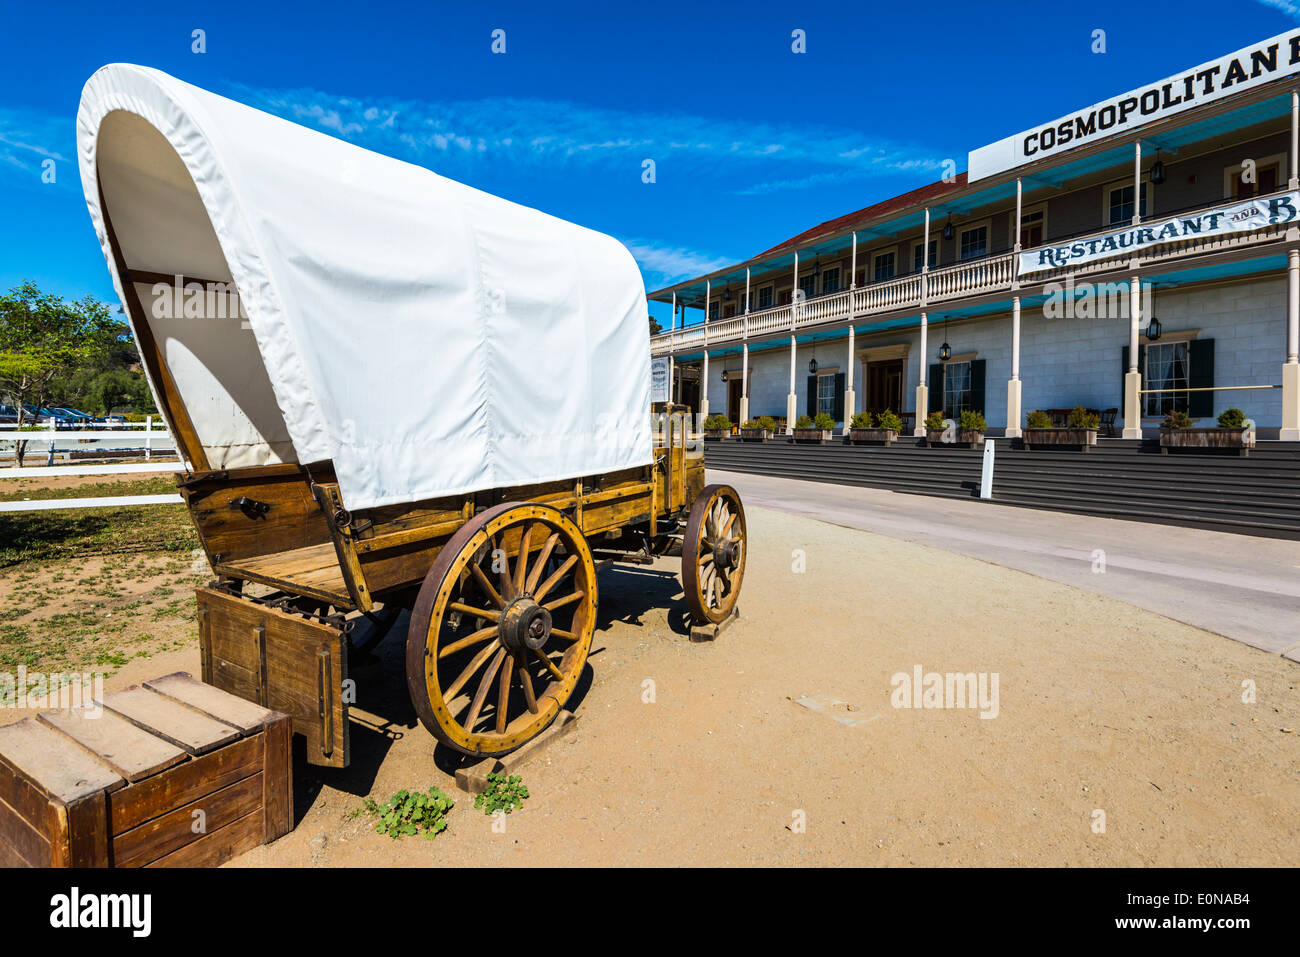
702,754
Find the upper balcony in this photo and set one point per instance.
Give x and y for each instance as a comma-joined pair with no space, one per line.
978,279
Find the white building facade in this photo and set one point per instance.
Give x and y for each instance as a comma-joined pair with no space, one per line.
1046,285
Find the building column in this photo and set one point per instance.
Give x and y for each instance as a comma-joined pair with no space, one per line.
1133,378
922,390
850,397
791,402
744,383
1294,182
1137,182
704,373
1013,384
1291,368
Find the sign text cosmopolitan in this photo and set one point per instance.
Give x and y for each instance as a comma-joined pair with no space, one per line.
1241,217
1247,68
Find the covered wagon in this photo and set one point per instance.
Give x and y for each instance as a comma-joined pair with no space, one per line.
389,391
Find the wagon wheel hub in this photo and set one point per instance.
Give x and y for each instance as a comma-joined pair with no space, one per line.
525,625
726,553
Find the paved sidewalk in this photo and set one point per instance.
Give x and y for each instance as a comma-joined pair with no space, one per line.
1243,587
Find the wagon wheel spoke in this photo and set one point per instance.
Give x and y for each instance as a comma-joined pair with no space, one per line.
486,585
475,664
507,583
539,566
480,696
559,573
487,613
521,562
461,643
503,693
526,682
559,603
550,665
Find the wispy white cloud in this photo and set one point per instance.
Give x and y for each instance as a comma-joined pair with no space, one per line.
662,265
27,140
1284,6
547,132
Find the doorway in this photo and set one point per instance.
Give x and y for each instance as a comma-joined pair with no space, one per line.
884,386
733,398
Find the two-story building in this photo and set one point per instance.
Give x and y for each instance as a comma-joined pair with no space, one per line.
1139,255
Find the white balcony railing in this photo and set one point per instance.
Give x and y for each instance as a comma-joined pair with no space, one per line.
992,274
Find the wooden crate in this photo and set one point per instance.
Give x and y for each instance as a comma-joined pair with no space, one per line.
175,773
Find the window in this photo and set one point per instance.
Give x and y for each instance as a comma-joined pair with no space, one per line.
1167,368
728,310
882,267
1265,177
713,310
1032,222
974,242
808,284
826,394
765,297
1119,204
956,389
743,305
831,280
916,255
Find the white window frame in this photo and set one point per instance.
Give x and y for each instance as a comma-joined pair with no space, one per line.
839,270
1150,383
877,254
826,374
1233,173
1110,187
1025,211
964,228
770,289
963,360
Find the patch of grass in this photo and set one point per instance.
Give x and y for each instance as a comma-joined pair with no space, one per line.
503,793
43,536
408,813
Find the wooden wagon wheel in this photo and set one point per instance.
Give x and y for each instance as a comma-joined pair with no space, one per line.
713,553
496,644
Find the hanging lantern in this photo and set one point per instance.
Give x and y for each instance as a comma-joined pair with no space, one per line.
945,350
812,366
948,231
817,265
1158,170
1153,329
726,292
724,375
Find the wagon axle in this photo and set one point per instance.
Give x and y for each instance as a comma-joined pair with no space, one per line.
525,625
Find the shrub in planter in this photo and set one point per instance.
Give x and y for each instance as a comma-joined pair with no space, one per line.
934,422
1038,420
717,426
1176,432
886,429
1081,418
758,430
808,429
1232,419
889,422
1080,430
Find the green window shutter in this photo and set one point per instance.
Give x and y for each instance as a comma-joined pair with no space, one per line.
1123,374
838,412
977,385
1200,375
935,381
812,396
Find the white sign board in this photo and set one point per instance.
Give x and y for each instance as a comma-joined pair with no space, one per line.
1241,217
1249,67
659,384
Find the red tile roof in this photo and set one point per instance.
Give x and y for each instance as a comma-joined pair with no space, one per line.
831,226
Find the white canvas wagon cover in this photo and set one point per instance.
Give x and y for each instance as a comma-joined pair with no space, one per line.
427,337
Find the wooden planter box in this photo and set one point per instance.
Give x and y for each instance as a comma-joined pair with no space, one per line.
125,788
1234,439
962,438
820,436
755,435
717,434
886,436
1083,438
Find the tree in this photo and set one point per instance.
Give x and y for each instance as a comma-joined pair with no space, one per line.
44,338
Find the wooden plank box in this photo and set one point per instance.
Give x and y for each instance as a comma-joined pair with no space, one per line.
174,773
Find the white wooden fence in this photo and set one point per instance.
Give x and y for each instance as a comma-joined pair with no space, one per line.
150,441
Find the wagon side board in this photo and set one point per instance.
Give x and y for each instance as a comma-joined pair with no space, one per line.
281,661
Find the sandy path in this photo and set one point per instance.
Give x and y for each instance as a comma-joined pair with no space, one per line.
1101,707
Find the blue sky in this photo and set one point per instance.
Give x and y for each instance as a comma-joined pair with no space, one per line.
752,142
